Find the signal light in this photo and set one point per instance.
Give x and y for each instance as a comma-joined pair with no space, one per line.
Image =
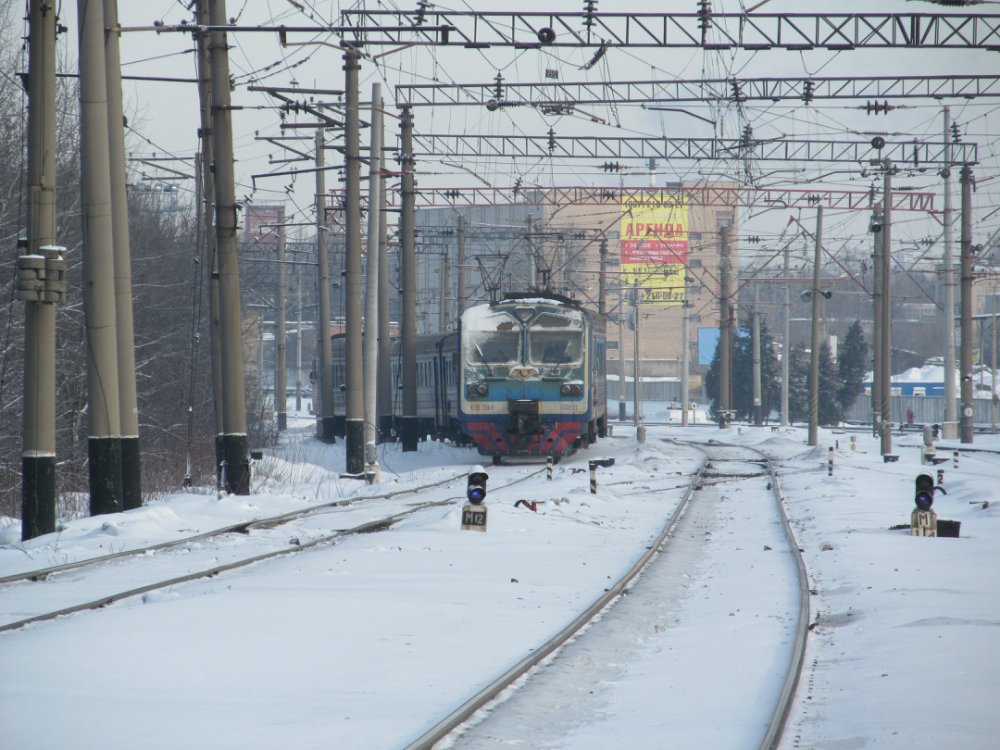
924,491
476,491
570,389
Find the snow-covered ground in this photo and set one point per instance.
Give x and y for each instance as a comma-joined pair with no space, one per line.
363,643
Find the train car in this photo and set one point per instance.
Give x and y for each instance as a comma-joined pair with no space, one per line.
533,370
436,384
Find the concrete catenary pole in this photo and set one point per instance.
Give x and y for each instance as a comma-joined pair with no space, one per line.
324,347
815,333
443,291
128,404
949,430
354,391
602,280
885,386
965,419
463,293
685,357
370,361
280,397
758,417
234,417
640,430
408,271
104,441
208,199
384,313
876,402
39,281
622,312
298,341
993,361
725,328
785,346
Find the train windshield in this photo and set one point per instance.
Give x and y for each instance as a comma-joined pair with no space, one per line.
494,347
548,347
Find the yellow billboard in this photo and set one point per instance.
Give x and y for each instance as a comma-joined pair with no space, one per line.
654,246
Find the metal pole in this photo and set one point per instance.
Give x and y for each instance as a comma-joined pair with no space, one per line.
408,317
354,391
234,439
38,445
128,406
950,426
104,442
324,348
785,346
814,338
965,420
280,398
885,387
370,361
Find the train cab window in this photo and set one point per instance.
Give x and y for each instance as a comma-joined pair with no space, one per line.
494,347
553,320
555,347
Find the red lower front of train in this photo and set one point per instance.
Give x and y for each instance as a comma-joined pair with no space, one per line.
501,438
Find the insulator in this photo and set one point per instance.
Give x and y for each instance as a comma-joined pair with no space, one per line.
421,12
589,8
737,94
704,14
807,91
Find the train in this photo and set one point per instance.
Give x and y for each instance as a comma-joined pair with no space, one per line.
523,376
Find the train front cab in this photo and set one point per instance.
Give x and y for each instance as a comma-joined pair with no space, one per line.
526,379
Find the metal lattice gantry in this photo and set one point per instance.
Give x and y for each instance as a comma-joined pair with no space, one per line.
706,194
757,31
498,94
904,154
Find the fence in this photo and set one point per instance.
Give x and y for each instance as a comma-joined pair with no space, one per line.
926,409
652,390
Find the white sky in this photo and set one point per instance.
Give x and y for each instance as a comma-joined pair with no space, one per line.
164,115
364,644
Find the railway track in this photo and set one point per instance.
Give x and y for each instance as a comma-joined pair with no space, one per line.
96,582
545,696
270,538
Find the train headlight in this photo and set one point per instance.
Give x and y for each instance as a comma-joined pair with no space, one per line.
477,389
570,389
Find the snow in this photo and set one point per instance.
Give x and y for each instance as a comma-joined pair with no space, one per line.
366,642
934,373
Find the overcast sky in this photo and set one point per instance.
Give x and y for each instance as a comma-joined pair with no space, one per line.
164,116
